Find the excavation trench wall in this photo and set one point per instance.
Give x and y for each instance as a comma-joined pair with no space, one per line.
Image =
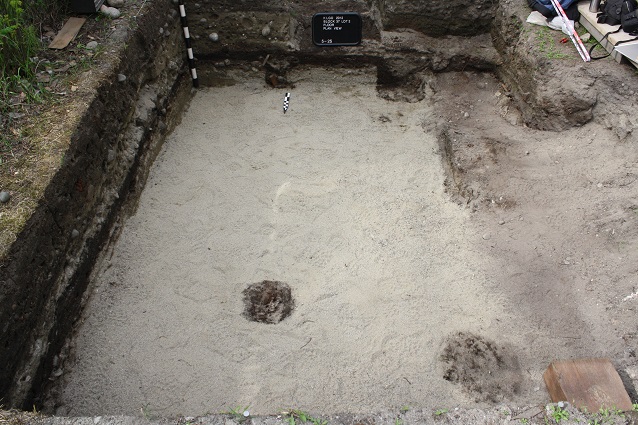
45,273
555,94
137,98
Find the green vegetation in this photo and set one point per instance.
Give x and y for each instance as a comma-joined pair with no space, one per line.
399,420
26,155
240,414
440,412
558,414
146,412
547,44
19,44
295,417
607,412
607,415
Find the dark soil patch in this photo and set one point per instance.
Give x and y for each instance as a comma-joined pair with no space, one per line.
268,302
487,371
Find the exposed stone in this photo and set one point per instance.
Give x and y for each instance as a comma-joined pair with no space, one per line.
5,197
111,12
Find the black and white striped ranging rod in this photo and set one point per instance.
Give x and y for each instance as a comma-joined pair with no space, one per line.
573,35
286,102
189,49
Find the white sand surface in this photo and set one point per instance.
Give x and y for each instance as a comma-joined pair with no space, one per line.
343,199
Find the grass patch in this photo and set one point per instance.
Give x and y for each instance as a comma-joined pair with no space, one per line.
294,417
440,412
547,44
19,46
30,157
39,105
239,414
559,414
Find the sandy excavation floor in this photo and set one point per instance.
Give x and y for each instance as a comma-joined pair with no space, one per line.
344,199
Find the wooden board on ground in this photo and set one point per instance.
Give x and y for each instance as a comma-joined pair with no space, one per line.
67,33
589,383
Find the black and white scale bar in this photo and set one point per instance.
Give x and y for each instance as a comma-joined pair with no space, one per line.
187,37
286,102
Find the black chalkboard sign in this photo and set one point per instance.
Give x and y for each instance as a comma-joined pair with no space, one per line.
336,29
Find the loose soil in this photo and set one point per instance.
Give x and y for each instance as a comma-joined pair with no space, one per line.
406,232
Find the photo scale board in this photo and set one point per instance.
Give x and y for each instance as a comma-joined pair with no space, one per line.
336,29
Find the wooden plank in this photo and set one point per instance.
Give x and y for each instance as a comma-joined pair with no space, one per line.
587,383
67,33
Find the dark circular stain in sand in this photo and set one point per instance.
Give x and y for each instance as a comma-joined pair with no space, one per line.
268,301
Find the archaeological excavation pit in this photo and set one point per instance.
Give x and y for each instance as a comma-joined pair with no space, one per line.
423,227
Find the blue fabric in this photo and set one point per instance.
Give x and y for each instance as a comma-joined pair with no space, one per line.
564,3
545,7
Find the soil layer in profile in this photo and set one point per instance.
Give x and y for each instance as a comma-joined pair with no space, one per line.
343,199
